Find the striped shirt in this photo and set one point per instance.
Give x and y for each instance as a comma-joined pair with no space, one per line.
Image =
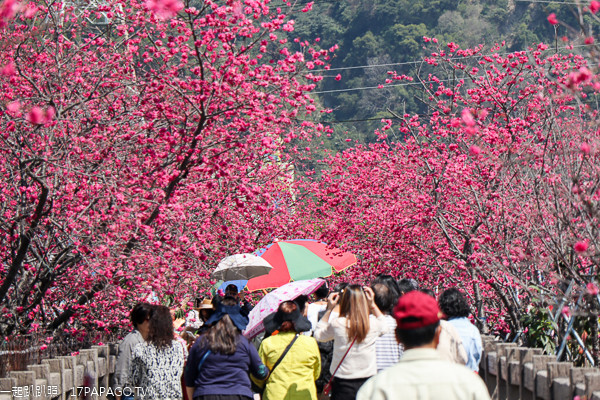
388,350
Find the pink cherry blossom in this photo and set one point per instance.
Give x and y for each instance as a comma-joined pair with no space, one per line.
308,6
552,19
594,6
8,10
36,116
592,289
585,148
13,107
164,8
138,165
8,69
49,114
581,246
474,150
237,9
467,117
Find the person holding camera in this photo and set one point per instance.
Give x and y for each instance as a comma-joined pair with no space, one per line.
354,334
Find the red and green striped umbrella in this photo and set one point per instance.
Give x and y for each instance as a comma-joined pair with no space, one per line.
299,259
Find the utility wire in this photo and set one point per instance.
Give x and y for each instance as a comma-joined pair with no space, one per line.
550,2
381,86
421,115
452,58
303,3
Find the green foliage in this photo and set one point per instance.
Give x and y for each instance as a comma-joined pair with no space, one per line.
523,37
366,46
540,329
372,34
405,41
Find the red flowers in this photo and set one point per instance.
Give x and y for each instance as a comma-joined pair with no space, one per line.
474,150
8,9
8,69
164,9
581,246
552,19
585,148
37,116
594,6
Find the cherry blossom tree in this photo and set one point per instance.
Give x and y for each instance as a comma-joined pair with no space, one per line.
494,190
141,142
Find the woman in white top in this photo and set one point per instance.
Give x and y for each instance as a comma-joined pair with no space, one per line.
358,326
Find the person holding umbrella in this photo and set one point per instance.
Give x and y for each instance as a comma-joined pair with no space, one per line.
292,358
354,334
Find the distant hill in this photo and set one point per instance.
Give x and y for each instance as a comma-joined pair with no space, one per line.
372,34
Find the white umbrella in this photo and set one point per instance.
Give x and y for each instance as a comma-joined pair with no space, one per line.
241,267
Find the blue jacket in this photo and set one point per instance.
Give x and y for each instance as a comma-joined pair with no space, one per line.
223,373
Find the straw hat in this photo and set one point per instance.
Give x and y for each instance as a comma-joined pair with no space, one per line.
205,305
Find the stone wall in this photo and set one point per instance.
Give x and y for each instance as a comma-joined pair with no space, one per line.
63,377
512,372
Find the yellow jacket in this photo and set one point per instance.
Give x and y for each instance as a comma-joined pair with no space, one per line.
294,378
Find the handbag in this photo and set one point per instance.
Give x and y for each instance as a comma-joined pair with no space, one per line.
327,387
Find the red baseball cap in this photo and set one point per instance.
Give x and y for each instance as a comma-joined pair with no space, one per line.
416,310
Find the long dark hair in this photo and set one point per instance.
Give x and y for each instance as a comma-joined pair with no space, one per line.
161,332
223,337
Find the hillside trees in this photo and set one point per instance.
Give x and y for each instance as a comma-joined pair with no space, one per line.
368,32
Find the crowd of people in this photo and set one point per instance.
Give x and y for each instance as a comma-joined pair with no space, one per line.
388,340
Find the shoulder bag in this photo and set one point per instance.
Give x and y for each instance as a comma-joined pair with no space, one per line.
289,346
327,388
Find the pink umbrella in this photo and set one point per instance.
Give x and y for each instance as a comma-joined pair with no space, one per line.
271,301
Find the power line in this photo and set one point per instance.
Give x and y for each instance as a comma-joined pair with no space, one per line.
452,58
421,115
302,3
349,120
379,86
299,4
549,2
383,86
